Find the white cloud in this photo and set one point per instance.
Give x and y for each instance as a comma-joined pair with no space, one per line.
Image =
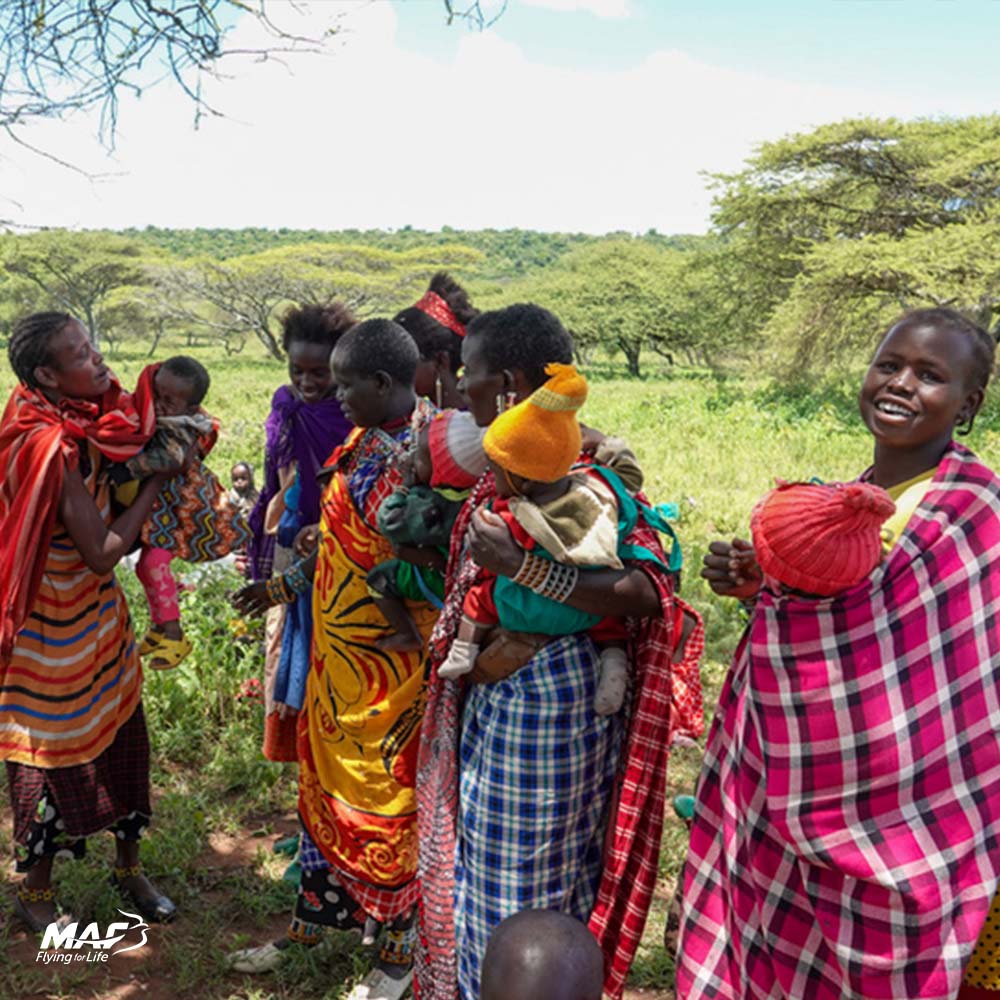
600,8
371,135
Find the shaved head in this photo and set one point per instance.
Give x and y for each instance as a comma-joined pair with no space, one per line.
542,955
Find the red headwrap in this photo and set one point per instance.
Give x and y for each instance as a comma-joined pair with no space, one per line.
434,306
38,441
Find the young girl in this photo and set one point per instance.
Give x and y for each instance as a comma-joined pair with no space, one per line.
304,426
193,518
847,834
75,738
243,493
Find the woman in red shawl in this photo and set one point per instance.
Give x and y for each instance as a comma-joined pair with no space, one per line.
71,723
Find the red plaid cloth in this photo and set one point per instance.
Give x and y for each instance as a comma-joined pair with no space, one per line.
636,823
89,797
847,834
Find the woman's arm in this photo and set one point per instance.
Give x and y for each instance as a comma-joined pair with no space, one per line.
101,546
255,598
611,593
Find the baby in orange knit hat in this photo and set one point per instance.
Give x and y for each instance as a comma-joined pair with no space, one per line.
818,539
568,517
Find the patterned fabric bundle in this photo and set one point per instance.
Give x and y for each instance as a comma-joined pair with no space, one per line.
194,519
847,833
300,434
363,706
631,849
38,440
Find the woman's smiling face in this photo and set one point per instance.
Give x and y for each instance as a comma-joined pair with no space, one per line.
919,386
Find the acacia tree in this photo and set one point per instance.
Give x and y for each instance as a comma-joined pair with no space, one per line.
632,296
228,299
823,228
78,272
60,56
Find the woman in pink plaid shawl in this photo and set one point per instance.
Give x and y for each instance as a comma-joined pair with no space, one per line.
847,836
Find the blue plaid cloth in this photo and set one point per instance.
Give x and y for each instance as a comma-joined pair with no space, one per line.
537,773
310,857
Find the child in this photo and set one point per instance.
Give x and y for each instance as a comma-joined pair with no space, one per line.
193,518
817,539
243,494
447,460
568,519
542,955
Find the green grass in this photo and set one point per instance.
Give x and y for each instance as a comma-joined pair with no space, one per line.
711,443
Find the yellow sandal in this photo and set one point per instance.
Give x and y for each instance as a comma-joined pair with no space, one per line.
168,652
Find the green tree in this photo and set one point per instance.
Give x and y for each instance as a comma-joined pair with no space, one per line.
628,295
793,215
248,294
77,272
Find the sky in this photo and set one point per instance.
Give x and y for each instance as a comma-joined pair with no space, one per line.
565,115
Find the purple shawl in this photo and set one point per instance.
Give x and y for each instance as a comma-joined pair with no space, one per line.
304,434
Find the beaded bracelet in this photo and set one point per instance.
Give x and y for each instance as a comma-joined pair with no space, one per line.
546,578
295,579
559,582
278,592
532,571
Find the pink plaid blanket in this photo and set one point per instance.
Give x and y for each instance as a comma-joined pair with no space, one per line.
847,841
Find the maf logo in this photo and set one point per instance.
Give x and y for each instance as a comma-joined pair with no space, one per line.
61,942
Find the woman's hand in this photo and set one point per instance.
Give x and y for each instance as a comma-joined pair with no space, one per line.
422,555
283,711
306,540
252,600
492,545
731,569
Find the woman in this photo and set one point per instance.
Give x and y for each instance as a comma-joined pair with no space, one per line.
358,732
846,841
531,736
305,424
74,736
437,323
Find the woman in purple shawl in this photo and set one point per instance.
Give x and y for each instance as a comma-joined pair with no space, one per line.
305,424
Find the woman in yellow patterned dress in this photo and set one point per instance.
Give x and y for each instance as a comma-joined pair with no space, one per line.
360,723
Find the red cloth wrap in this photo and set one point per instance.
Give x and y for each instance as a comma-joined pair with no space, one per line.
39,440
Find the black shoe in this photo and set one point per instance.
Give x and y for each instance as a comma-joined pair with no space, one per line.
156,909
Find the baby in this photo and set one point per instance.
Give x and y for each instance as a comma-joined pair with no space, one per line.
818,539
446,461
542,955
563,518
192,518
243,493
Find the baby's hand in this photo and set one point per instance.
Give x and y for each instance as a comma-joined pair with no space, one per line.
731,569
306,540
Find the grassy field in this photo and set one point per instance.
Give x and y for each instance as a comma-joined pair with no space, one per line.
712,444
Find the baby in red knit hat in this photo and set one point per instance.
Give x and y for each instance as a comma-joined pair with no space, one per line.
818,539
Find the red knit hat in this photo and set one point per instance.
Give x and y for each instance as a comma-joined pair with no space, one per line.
820,538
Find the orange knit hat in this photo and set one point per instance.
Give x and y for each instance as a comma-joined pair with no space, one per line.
539,438
820,538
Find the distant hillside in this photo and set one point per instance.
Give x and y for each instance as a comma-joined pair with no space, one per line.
510,252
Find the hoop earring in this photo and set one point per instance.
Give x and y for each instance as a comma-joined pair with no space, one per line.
437,390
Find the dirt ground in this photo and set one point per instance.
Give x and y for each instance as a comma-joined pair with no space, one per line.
150,972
